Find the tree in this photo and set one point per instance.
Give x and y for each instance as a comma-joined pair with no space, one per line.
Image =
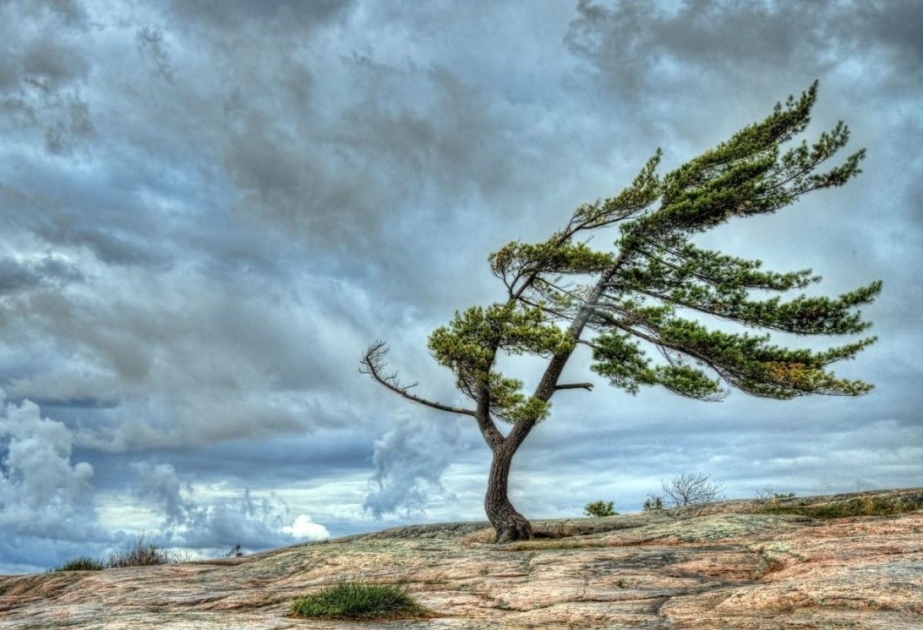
691,489
653,289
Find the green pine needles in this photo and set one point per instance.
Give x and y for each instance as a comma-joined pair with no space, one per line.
657,272
642,308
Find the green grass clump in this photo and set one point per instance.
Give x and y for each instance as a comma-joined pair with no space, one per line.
358,600
84,563
858,506
140,554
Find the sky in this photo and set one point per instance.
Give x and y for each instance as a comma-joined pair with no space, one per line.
209,210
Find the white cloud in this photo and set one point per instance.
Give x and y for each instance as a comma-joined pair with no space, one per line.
41,491
304,527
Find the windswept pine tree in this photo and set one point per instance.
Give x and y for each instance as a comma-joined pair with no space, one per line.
641,307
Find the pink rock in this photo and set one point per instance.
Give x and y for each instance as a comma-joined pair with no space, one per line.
726,565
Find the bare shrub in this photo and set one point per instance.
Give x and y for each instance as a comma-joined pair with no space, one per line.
692,489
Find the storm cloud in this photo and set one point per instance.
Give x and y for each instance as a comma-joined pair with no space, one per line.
208,211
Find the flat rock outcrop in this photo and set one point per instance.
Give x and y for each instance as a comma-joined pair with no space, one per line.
781,563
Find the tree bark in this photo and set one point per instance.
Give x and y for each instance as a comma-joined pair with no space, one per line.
509,524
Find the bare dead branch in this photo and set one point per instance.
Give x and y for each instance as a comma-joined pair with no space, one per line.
373,362
586,386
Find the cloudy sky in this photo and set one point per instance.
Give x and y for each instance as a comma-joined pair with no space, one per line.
209,209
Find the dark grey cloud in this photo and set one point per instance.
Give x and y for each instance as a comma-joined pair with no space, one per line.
65,11
347,182
49,63
185,361
285,14
640,44
42,73
153,47
17,276
118,233
892,26
35,63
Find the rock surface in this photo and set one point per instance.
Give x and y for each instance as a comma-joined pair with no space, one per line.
727,565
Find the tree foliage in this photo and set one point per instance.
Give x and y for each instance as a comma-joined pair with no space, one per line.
641,307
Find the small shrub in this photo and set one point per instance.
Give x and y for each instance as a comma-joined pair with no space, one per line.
652,503
357,600
84,563
600,509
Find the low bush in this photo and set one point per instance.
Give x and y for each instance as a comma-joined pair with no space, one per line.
358,600
599,509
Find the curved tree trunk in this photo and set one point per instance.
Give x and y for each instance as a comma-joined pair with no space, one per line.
509,524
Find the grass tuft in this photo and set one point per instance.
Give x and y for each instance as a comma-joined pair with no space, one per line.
140,554
84,563
858,506
358,600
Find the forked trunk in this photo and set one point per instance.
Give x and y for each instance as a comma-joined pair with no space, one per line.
509,524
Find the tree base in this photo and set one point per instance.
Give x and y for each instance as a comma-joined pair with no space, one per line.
513,529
